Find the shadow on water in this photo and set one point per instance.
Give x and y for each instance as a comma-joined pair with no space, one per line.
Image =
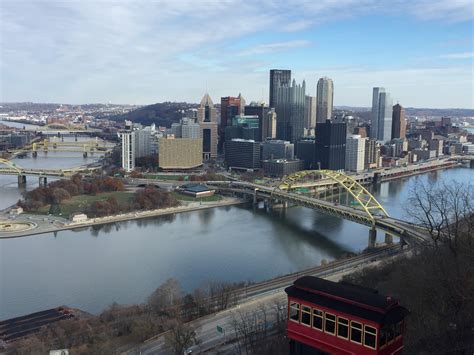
300,237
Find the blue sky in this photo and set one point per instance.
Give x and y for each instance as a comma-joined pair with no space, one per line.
141,52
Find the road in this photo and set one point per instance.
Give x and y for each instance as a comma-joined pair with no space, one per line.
271,296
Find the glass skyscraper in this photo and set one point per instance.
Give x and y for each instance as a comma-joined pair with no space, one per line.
278,77
290,110
381,120
324,98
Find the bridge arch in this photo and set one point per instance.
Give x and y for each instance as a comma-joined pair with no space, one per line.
11,165
365,199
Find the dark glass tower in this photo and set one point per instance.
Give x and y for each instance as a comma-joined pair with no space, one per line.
330,148
278,77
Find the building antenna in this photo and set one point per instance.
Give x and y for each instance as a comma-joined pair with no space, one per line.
262,96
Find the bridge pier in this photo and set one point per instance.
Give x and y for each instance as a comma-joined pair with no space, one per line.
471,164
84,155
388,238
34,154
372,237
43,181
21,180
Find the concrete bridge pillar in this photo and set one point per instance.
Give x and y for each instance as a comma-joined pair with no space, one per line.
255,201
388,238
471,164
84,154
34,154
43,181
21,180
372,237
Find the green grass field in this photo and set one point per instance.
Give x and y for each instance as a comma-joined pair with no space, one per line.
79,203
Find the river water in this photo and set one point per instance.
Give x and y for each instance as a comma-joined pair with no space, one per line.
124,262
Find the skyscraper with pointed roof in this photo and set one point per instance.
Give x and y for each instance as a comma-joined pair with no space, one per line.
289,106
207,119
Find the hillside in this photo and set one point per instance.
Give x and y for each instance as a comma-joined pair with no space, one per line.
161,114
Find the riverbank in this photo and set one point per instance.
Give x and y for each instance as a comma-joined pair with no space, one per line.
55,224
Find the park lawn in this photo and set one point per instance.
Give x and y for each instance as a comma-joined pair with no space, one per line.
182,197
80,202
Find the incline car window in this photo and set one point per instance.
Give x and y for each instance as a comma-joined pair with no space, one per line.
294,312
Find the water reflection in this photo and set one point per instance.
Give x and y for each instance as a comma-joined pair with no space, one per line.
124,262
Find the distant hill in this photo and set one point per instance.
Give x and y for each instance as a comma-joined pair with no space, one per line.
414,111
161,114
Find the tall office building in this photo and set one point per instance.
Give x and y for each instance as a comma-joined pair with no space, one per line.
381,120
310,112
187,128
330,147
278,77
398,122
142,142
244,127
206,116
289,106
355,153
269,126
276,149
242,154
230,107
128,150
324,99
179,153
372,153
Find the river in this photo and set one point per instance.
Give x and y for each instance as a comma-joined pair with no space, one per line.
124,262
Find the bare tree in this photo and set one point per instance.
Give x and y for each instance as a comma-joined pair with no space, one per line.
445,211
223,294
167,297
180,336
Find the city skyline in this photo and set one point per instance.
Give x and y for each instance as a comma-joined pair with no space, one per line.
126,51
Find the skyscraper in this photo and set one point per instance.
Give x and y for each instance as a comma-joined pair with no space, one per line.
207,120
381,120
278,77
289,106
128,150
310,112
269,125
355,153
325,95
230,107
330,147
398,122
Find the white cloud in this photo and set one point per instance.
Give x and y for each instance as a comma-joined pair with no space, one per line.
448,10
464,55
148,51
273,47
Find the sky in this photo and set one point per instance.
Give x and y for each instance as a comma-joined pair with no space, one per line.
142,52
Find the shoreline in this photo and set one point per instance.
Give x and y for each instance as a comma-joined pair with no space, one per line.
60,224
193,206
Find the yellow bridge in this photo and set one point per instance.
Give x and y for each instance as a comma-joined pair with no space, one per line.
345,199
55,144
7,167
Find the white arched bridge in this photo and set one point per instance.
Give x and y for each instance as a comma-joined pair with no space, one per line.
347,199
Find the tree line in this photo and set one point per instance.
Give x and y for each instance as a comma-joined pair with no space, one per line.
59,191
436,282
168,308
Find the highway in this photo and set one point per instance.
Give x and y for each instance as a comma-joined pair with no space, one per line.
268,295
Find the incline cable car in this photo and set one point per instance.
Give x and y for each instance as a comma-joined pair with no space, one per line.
326,317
